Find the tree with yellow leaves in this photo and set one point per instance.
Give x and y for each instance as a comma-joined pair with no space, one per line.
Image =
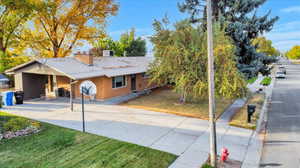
265,46
294,53
13,16
61,25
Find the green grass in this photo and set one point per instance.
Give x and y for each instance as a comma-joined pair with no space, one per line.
240,117
252,80
266,81
166,101
56,147
207,166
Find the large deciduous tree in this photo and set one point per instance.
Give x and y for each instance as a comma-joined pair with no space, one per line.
265,46
13,15
181,59
132,45
8,61
294,53
128,45
242,24
61,25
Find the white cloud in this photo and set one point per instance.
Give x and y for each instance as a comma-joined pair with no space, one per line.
286,45
291,35
292,9
284,40
285,35
289,26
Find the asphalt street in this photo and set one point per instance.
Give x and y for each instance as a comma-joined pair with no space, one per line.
282,141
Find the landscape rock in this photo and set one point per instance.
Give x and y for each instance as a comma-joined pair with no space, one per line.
24,132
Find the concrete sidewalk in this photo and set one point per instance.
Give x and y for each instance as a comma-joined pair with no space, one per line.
235,139
244,145
185,137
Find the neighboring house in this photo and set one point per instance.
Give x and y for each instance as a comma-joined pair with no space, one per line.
4,82
55,77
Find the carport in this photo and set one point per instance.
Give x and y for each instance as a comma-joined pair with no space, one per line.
40,81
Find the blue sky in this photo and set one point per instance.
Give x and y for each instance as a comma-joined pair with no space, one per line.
139,14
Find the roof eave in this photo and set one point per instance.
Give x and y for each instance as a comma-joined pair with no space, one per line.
12,70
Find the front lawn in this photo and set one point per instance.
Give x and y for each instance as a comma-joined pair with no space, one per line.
240,118
266,81
65,148
167,101
252,80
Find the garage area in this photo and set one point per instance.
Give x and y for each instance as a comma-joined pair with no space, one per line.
40,81
34,85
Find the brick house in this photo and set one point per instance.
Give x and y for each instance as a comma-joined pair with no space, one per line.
113,76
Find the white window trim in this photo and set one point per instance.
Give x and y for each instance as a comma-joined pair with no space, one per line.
121,86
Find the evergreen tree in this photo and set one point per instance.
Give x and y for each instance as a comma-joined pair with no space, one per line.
242,24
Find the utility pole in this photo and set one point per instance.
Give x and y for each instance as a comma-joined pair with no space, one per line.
82,110
211,87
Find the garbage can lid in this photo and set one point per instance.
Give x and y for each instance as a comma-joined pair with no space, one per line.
251,106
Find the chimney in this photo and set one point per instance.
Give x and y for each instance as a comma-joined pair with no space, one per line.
108,53
86,58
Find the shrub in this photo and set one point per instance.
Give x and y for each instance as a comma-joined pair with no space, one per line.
252,80
36,124
266,81
16,124
207,166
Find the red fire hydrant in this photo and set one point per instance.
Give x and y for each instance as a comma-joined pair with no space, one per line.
224,155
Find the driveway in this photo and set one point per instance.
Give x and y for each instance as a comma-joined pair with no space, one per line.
282,142
182,136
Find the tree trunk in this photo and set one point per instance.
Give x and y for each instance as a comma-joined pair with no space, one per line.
2,47
55,52
183,97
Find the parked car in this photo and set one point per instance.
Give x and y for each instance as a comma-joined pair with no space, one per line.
282,69
280,74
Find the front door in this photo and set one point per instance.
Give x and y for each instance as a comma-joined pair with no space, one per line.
133,82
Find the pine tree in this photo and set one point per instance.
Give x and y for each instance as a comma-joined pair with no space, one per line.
242,24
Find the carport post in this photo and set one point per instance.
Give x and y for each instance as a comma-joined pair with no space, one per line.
71,96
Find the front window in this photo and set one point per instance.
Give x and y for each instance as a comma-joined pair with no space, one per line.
145,75
118,82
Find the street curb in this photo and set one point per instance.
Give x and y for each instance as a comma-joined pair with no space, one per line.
263,114
254,152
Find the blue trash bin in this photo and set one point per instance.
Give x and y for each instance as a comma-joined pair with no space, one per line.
8,98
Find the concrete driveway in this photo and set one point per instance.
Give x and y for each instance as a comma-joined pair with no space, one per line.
182,136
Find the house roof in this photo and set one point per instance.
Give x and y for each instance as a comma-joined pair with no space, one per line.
104,66
3,78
